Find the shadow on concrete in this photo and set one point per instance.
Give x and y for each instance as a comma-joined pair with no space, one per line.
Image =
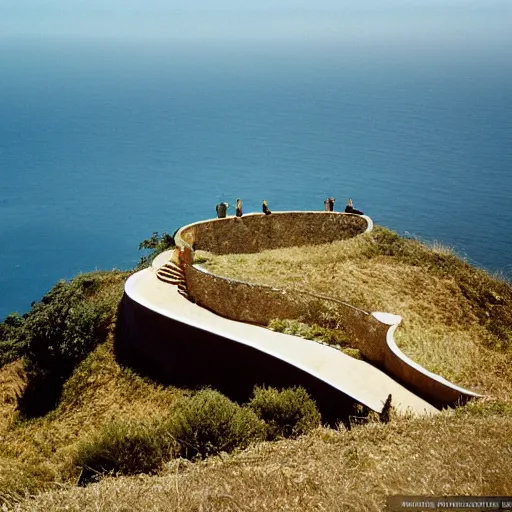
173,353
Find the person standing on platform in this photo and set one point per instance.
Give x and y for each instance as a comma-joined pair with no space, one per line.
221,209
239,211
265,208
350,208
329,204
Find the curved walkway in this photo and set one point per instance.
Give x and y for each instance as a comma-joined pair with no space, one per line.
226,309
357,379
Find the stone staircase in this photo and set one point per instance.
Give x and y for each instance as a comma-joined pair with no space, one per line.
173,274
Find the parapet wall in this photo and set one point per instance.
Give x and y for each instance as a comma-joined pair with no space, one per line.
258,304
256,232
177,353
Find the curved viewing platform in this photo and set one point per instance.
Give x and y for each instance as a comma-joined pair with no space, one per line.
188,326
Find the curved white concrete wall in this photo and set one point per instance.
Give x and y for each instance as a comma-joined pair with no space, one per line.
432,386
198,346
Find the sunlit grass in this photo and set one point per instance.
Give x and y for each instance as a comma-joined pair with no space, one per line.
453,314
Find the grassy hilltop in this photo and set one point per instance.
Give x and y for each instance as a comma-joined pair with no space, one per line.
457,320
67,403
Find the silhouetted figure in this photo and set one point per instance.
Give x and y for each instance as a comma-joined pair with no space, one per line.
221,209
350,208
329,204
239,211
264,207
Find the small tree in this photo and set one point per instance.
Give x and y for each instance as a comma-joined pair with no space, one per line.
61,330
156,244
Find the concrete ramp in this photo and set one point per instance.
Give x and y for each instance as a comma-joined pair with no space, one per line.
343,374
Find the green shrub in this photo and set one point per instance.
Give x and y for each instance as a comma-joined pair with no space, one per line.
287,413
61,330
124,448
209,423
311,331
12,341
13,320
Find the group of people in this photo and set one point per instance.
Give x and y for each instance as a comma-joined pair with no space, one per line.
222,208
329,206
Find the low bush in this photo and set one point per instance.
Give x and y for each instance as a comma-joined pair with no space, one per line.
287,413
61,330
209,423
310,331
124,448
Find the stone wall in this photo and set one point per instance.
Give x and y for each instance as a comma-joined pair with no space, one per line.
257,232
258,304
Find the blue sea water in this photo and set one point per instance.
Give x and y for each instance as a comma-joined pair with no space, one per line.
103,143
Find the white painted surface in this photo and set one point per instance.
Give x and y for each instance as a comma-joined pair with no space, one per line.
358,379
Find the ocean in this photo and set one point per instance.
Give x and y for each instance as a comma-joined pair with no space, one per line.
104,142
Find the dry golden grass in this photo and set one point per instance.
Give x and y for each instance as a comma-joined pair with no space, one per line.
325,471
12,382
37,454
441,329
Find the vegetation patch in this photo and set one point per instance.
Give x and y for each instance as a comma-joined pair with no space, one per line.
154,246
205,424
335,470
336,338
124,448
39,454
287,413
61,330
209,423
12,343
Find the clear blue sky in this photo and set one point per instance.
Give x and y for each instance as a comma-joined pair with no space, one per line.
394,20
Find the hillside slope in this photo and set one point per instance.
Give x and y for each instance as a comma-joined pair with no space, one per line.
457,321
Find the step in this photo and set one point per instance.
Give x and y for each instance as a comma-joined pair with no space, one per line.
170,280
168,272
173,266
174,279
185,294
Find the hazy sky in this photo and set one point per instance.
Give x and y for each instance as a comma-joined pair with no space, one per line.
368,20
